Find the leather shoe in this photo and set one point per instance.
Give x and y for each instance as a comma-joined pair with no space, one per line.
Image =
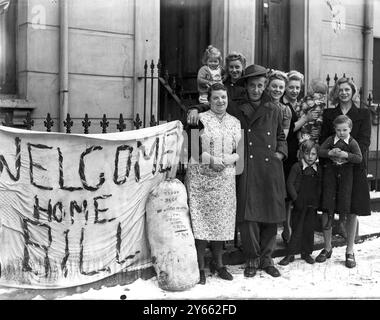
273,271
222,271
350,260
250,269
323,255
202,277
285,261
308,258
224,274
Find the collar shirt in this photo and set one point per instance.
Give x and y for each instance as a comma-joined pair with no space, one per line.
347,140
305,165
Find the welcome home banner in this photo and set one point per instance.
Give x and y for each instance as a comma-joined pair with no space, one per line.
72,207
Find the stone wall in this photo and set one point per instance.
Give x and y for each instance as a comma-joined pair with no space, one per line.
108,44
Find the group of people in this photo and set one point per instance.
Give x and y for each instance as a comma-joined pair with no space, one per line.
255,116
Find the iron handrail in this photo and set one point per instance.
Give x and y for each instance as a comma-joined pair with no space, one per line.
172,93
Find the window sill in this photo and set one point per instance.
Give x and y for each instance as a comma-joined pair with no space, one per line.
12,102
13,111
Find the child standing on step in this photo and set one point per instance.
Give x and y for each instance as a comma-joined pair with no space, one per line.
304,188
210,72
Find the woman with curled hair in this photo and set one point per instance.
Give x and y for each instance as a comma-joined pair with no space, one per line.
343,96
210,182
277,82
235,63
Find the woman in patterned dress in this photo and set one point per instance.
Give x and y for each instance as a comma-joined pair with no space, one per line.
211,181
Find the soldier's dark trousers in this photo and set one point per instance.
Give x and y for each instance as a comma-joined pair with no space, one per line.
258,241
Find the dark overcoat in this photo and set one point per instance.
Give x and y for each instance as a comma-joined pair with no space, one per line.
361,132
261,186
236,96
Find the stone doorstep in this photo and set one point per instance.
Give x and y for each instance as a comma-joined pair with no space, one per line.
234,256
375,204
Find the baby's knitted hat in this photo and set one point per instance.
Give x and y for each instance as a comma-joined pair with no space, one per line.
317,86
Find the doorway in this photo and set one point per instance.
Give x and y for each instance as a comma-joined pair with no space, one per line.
273,34
184,35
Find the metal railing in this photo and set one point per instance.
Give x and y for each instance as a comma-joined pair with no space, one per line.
173,100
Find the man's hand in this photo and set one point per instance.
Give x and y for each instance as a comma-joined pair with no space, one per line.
193,117
279,155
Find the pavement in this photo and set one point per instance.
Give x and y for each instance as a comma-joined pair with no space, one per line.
369,227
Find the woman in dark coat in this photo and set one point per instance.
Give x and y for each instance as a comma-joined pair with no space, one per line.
290,98
235,65
342,95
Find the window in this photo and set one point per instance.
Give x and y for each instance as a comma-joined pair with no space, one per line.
8,83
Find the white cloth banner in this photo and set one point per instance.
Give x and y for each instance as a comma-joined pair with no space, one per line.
72,207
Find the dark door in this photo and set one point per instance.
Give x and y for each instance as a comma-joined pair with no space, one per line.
272,30
184,35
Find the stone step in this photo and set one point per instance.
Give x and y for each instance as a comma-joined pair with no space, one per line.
369,226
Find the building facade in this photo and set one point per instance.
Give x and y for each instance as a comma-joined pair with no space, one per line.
88,56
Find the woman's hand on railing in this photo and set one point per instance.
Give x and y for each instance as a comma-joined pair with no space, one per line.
193,117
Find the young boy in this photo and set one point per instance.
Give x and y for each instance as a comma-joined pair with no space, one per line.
342,151
304,188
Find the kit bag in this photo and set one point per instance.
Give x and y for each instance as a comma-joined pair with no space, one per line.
170,237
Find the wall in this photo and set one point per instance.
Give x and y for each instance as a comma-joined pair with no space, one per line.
330,52
108,43
376,21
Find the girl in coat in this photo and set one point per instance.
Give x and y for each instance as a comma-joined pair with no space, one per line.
304,188
210,72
